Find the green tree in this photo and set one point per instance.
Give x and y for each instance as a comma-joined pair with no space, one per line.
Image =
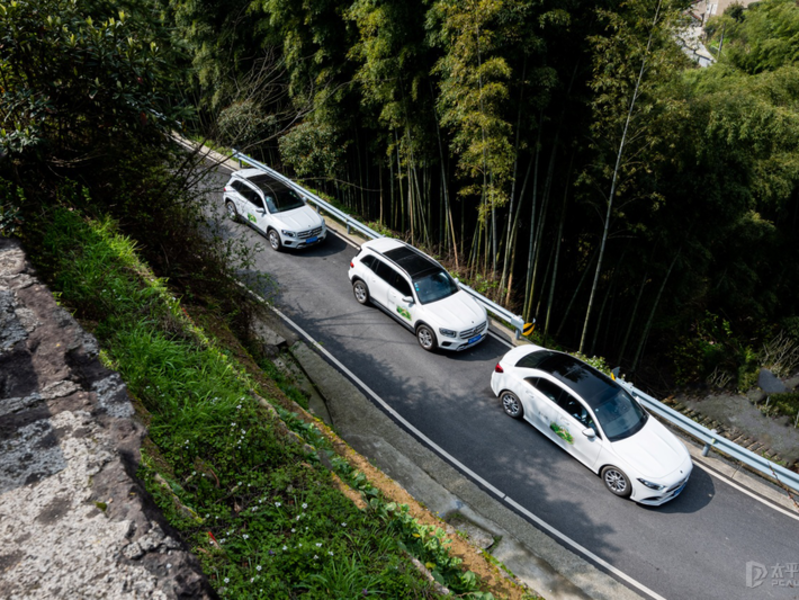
473,92
761,37
78,78
630,64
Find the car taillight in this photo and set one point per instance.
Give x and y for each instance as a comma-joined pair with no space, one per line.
499,369
352,264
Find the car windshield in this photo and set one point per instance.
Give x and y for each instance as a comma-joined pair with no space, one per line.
619,415
283,201
435,286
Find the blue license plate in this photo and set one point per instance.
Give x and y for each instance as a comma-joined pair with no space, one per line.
476,338
679,489
311,240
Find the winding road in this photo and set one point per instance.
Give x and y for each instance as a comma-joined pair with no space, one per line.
712,542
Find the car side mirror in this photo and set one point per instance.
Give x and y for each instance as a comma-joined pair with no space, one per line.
589,433
407,300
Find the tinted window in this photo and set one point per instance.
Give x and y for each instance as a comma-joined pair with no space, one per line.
414,262
283,200
577,410
249,194
402,285
592,385
546,387
385,272
369,261
435,286
532,360
620,415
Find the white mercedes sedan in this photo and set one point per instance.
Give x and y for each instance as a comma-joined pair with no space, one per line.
594,419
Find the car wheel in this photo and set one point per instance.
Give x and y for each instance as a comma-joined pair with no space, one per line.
361,292
616,481
426,337
274,240
232,213
511,404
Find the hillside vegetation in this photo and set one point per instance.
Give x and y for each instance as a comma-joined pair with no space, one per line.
253,484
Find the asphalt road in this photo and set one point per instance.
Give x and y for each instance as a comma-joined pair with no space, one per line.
695,547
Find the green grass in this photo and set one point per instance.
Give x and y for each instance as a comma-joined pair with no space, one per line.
262,514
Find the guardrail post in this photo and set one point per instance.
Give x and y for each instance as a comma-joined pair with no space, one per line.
348,224
708,445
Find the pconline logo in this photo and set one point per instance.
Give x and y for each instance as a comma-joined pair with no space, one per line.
756,574
781,575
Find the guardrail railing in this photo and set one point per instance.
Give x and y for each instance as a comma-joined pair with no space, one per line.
708,437
515,321
711,439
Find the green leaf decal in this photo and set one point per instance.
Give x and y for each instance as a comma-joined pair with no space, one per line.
562,433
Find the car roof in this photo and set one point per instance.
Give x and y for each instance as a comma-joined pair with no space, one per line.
589,383
263,180
414,262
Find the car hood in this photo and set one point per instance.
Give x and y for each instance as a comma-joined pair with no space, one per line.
298,219
654,451
457,311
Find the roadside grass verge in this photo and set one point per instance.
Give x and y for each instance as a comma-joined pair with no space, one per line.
252,493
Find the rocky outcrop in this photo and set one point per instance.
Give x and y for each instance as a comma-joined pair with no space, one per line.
74,520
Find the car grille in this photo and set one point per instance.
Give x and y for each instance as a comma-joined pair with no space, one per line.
676,486
466,334
303,235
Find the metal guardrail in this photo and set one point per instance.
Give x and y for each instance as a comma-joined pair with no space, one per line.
313,198
708,437
515,321
713,440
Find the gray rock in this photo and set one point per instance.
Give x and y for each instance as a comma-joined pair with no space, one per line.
770,383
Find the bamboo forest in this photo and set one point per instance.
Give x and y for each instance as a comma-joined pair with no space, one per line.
565,158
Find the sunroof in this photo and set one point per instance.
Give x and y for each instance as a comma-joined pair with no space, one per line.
590,384
412,262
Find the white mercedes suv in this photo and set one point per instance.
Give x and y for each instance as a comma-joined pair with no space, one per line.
419,293
273,208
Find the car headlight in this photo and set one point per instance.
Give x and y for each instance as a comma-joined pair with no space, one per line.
446,332
652,486
288,233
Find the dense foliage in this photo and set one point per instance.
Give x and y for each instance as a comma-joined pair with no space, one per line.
564,157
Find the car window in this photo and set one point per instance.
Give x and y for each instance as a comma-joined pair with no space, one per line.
369,261
252,196
546,387
435,286
284,200
532,360
620,415
385,272
238,186
577,410
402,286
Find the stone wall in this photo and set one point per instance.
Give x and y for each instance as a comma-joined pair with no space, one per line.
74,520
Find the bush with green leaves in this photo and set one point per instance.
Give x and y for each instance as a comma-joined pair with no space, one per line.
259,510
78,77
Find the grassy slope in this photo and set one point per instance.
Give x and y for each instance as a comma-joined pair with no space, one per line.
255,489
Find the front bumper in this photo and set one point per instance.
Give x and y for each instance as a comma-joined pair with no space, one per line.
458,344
295,243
